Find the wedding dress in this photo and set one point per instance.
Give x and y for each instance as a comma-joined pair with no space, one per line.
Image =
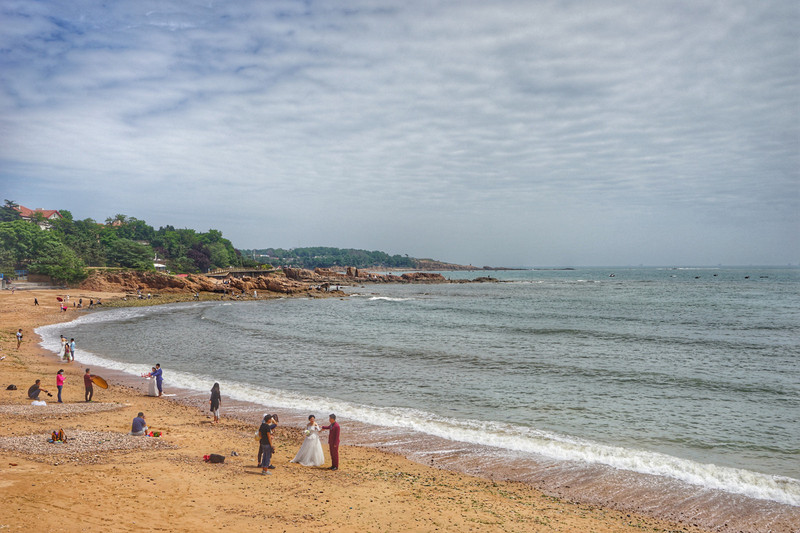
310,453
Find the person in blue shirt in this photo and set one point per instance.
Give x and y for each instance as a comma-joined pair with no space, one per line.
159,378
139,426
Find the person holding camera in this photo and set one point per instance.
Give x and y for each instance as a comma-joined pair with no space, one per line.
267,447
35,390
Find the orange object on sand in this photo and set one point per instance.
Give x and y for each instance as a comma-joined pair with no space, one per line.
100,382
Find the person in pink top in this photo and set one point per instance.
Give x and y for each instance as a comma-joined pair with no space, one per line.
60,379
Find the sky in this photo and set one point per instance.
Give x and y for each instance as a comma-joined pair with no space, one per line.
504,133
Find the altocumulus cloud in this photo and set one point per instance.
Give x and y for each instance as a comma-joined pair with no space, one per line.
486,132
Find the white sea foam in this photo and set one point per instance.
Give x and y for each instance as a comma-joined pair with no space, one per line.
388,299
495,434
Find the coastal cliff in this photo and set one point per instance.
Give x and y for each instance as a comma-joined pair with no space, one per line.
287,281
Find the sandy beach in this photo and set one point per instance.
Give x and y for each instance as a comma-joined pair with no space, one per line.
104,480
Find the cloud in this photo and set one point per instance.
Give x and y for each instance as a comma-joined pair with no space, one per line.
397,128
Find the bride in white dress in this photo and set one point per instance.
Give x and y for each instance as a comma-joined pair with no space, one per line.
310,453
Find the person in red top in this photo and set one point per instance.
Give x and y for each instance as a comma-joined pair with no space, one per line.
333,441
88,385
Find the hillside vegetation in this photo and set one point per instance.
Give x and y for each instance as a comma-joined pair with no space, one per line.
65,247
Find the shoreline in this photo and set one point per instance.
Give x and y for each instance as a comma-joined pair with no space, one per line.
410,499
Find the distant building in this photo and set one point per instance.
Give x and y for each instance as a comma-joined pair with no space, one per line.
30,215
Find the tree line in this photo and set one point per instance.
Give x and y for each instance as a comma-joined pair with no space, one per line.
327,257
66,247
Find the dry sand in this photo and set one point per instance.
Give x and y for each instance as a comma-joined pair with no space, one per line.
105,480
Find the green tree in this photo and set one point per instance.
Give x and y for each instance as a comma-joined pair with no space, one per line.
8,212
57,261
26,245
130,254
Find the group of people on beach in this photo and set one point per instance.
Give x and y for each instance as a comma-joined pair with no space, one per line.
88,386
310,452
67,349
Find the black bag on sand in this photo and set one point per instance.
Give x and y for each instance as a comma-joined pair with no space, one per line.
11,387
216,458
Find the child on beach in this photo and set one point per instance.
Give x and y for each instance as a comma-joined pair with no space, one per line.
19,338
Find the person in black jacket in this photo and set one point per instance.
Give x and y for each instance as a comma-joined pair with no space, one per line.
215,401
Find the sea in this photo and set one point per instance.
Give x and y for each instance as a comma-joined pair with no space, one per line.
676,383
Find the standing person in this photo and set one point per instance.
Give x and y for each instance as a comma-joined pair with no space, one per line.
72,348
215,401
19,338
66,356
60,383
310,452
88,385
267,448
333,441
159,375
36,301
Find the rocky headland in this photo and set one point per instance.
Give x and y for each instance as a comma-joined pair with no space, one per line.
282,282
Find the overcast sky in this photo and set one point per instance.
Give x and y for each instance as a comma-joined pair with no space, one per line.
494,133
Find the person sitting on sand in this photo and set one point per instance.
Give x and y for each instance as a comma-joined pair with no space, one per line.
139,426
35,389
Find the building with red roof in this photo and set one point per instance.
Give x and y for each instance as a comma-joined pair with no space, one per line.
30,215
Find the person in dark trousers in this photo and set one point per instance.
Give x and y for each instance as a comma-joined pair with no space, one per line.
159,375
88,386
333,441
35,390
60,378
215,401
267,447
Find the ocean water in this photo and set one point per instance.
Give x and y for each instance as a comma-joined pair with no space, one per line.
687,374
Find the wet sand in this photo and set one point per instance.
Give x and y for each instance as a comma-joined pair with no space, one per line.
171,488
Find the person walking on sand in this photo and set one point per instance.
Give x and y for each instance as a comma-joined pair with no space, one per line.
159,375
215,401
19,338
36,302
60,383
267,447
88,386
333,441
